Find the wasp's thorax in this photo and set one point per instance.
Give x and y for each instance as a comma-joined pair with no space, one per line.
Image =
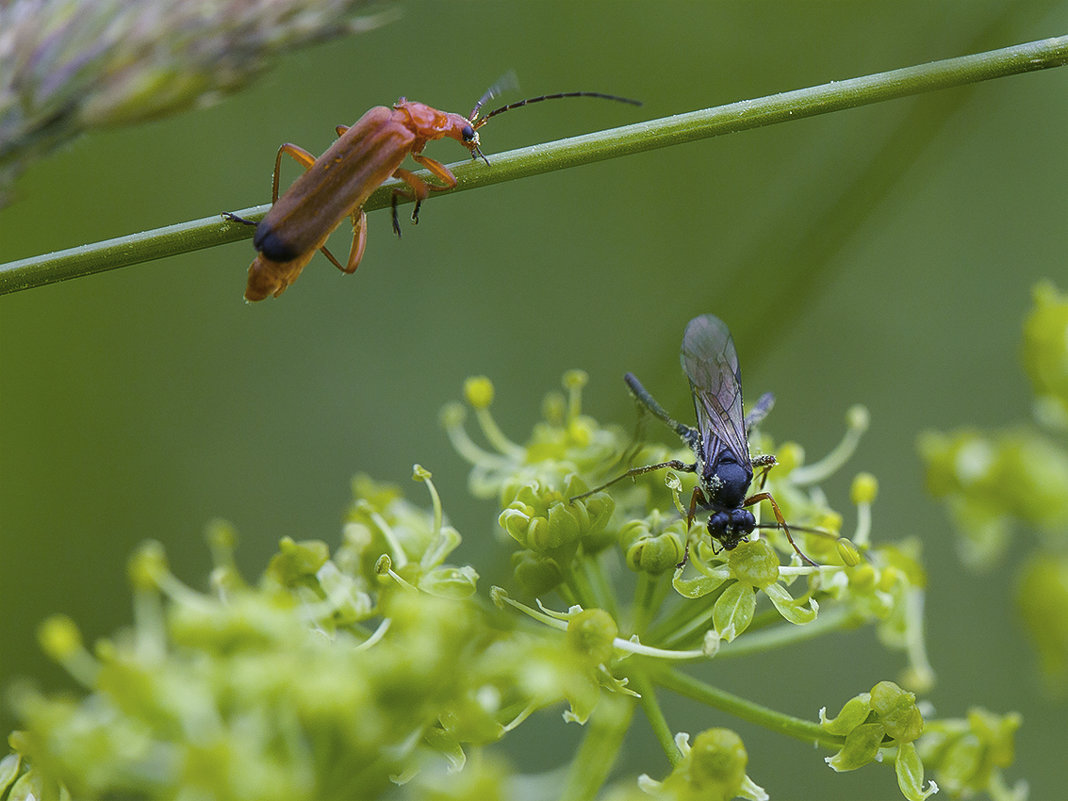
725,485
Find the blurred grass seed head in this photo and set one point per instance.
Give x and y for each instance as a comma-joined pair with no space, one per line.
69,66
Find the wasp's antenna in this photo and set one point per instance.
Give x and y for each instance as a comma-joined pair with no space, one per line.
530,100
506,83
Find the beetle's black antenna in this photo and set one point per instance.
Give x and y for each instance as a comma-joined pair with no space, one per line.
556,96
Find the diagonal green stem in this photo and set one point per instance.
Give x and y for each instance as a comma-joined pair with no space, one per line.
745,709
740,116
639,681
601,744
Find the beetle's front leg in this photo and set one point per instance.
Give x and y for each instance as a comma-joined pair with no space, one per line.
419,189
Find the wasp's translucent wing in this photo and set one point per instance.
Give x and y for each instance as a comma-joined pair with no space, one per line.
711,364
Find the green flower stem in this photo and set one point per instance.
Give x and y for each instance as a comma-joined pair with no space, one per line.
686,622
602,740
600,586
830,618
639,682
649,595
690,687
740,116
583,592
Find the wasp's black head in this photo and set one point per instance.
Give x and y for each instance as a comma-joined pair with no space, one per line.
731,527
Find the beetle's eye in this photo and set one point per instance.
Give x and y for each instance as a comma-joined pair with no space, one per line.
468,133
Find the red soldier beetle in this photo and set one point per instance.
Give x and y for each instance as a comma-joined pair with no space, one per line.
338,183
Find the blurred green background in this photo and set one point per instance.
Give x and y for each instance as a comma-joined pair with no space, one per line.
882,256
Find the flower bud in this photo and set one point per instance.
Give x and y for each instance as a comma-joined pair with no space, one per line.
478,391
860,748
897,711
754,563
655,555
865,488
591,633
535,573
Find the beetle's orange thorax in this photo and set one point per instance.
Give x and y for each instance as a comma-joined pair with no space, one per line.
428,123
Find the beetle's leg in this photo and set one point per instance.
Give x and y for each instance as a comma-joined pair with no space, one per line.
231,216
305,159
359,240
302,156
766,496
419,191
440,171
420,188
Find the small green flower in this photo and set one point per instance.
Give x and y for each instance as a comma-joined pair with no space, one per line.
991,481
651,547
297,562
547,521
1045,353
591,634
565,443
1042,597
712,769
968,755
536,574
754,563
883,718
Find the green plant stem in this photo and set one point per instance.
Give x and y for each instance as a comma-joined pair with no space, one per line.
649,594
687,621
639,681
601,742
742,708
740,116
600,586
831,618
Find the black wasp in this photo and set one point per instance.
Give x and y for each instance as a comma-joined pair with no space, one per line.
720,442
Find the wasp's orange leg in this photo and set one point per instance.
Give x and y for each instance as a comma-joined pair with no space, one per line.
766,496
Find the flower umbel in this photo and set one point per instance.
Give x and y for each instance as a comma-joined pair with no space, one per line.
347,669
995,483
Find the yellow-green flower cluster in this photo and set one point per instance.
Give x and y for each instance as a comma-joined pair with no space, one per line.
886,717
994,482
344,671
969,755
334,675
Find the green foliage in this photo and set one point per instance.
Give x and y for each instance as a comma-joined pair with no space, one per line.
346,670
994,482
